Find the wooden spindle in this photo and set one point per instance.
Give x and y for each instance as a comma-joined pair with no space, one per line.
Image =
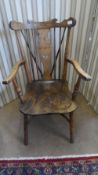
76,88
28,74
18,90
66,54
59,52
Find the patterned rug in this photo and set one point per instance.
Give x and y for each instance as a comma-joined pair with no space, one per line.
50,166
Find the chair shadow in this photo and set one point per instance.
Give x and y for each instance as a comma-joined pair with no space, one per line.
50,124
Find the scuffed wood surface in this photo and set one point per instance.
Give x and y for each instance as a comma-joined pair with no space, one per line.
49,97
79,69
70,22
44,49
13,72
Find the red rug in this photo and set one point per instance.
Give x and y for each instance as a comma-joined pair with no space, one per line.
51,166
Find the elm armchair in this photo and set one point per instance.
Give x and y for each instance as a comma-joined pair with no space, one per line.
48,46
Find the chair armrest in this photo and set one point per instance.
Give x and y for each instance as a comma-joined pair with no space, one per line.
79,70
13,73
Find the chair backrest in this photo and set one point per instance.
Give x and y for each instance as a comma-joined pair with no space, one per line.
47,43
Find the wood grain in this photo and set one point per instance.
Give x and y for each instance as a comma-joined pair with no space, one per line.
70,22
79,70
44,50
66,55
18,90
76,88
48,97
13,72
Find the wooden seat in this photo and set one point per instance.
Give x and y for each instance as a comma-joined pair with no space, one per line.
47,45
47,98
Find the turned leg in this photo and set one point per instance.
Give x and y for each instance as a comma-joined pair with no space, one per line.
71,127
25,130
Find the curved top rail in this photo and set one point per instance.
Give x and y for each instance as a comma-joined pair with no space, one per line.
15,25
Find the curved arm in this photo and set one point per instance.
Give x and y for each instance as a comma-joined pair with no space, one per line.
13,73
79,70
15,70
12,77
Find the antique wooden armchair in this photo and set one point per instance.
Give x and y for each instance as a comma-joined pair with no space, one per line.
49,94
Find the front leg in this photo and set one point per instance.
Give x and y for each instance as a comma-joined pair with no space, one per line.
25,130
71,127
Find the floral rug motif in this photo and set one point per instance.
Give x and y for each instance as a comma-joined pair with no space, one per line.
52,166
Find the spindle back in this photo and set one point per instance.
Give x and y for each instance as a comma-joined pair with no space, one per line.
48,46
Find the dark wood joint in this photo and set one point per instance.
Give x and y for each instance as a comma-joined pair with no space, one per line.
67,119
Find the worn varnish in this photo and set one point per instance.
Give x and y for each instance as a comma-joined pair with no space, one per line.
48,97
50,93
44,49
